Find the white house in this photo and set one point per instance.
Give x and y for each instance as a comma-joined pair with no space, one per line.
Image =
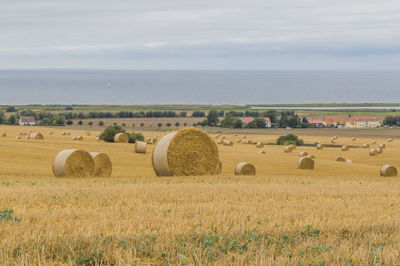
27,121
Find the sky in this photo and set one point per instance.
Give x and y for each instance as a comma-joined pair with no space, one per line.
206,34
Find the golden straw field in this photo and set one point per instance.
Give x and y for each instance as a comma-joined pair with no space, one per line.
339,213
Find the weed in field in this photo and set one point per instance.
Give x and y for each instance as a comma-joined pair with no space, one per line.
8,215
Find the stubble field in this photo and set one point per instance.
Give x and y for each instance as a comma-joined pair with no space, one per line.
336,214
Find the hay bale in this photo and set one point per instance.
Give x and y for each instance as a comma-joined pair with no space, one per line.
228,142
239,140
372,152
374,142
27,137
64,133
288,149
305,163
348,161
333,141
353,138
320,146
220,141
189,151
74,138
18,137
345,148
249,142
335,137
121,138
365,146
154,140
388,170
244,137
303,153
260,145
102,164
390,140
73,163
36,135
51,133
244,168
3,135
379,150
261,152
223,137
21,133
88,133
382,146
140,146
340,159
217,136
292,146
235,135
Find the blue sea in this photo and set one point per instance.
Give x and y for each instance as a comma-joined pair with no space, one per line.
133,87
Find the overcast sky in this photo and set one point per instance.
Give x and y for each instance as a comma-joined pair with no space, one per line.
206,34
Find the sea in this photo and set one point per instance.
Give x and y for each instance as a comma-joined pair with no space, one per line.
214,87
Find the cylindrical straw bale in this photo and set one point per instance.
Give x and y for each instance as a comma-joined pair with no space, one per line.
388,170
390,140
244,168
36,135
320,146
372,152
77,163
379,150
121,138
228,142
102,164
374,142
189,151
353,138
288,149
305,163
366,145
340,159
140,146
260,145
3,135
293,146
345,148
382,146
239,140
261,152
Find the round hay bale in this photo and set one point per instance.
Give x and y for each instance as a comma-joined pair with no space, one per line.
305,163
235,135
21,133
51,133
74,138
353,138
261,152
217,136
379,150
366,145
244,168
345,148
320,146
388,170
382,146
374,142
220,141
334,137
140,146
223,137
348,161
288,149
102,164
372,152
189,151
249,142
228,142
239,140
36,135
64,133
88,133
260,145
244,137
340,159
292,146
27,137
79,138
121,138
18,137
303,153
333,141
76,163
3,135
390,140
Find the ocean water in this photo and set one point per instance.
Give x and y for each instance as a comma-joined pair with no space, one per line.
196,87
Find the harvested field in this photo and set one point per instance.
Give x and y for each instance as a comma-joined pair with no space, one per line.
336,214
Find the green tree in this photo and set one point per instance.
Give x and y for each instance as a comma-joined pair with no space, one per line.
90,123
289,139
231,122
159,124
11,109
101,123
183,114
257,123
168,124
2,117
177,124
70,122
110,132
142,124
12,119
212,118
80,122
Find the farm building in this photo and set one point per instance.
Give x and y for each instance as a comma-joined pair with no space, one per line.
332,121
249,119
27,121
360,122
316,123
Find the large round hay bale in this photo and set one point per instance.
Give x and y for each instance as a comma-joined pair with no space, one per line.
382,146
244,168
340,159
140,146
353,138
345,148
390,140
3,135
388,170
102,164
189,151
121,138
320,146
372,152
18,137
366,145
261,152
73,163
239,140
305,163
244,137
36,135
228,142
249,142
303,153
288,149
379,150
260,145
88,133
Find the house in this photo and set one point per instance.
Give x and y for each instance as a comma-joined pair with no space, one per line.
332,121
250,119
27,121
359,122
315,123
